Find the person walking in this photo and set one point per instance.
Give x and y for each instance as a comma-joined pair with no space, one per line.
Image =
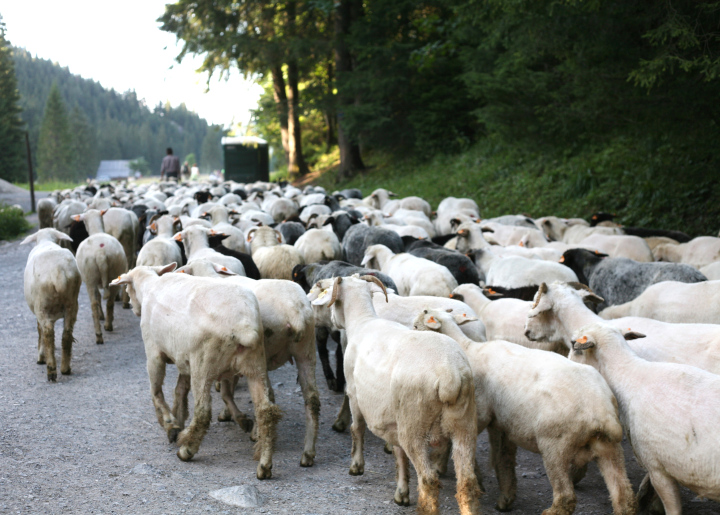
170,165
185,171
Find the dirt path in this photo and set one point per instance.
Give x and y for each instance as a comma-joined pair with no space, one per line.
90,443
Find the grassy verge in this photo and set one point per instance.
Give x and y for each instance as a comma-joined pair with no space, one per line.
660,186
48,186
12,222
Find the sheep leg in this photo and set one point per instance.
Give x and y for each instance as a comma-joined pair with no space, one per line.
110,308
48,333
156,374
189,438
428,483
339,366
227,389
468,490
557,467
180,402
67,339
402,474
267,415
357,431
502,458
321,336
669,492
611,462
648,499
125,298
41,347
440,456
96,308
306,376
343,417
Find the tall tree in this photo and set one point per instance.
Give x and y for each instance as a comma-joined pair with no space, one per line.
12,157
55,160
211,157
84,146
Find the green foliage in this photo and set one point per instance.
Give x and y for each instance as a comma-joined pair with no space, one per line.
49,185
12,222
55,156
139,165
13,161
190,159
84,144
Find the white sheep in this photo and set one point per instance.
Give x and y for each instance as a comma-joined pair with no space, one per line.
631,247
211,329
523,396
52,284
711,271
671,413
505,235
517,271
412,275
319,245
698,252
673,301
162,249
45,208
220,216
559,229
412,389
195,241
100,258
274,259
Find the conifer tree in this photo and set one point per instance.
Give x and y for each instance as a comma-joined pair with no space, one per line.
55,159
12,157
84,145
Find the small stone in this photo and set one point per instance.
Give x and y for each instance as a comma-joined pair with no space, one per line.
242,496
144,469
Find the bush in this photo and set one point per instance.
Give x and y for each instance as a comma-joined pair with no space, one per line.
12,222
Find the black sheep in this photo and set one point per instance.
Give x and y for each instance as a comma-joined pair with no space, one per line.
461,267
341,222
360,236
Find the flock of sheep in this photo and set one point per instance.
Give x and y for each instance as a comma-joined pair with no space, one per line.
555,335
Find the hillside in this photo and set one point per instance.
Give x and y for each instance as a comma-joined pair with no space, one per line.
123,126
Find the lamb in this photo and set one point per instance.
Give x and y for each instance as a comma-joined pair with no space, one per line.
560,309
52,285
620,246
523,396
672,301
620,280
318,245
360,236
516,271
687,448
274,259
289,328
162,249
195,241
698,252
211,329
412,275
411,402
100,258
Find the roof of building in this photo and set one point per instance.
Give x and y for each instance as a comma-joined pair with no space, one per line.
113,170
243,140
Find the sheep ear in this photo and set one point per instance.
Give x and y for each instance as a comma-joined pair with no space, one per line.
30,239
102,213
77,218
122,279
582,343
321,298
366,259
167,268
178,236
454,222
222,270
539,296
391,194
632,335
251,234
463,318
60,235
431,322
279,236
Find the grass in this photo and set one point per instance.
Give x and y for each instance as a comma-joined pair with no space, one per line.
12,222
649,185
49,185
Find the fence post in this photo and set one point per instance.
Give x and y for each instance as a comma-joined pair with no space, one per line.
30,172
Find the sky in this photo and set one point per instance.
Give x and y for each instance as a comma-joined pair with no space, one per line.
120,45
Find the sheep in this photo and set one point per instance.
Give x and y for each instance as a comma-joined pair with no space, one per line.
654,241
379,198
220,222
123,224
698,252
620,246
290,231
162,249
672,301
63,217
100,258
560,309
211,329
523,396
45,208
516,271
360,236
516,220
620,280
274,259
318,245
412,275
523,249
195,242
671,413
289,328
340,222
504,319
469,237
711,271
505,235
410,388
52,284
558,229
460,266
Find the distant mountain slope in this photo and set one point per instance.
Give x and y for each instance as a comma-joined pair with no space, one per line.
125,127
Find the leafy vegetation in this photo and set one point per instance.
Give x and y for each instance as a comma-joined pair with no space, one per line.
49,185
12,140
12,222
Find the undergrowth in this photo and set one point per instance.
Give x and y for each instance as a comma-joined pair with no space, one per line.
12,222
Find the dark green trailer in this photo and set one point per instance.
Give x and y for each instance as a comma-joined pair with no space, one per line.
246,159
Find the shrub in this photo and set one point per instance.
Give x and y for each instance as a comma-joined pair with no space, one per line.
12,222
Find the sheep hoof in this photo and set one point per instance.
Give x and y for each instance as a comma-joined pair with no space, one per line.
99,339
126,305
184,453
66,372
41,361
247,425
402,498
172,435
52,376
499,508
307,460
102,316
224,415
108,328
388,448
357,470
264,472
332,385
339,426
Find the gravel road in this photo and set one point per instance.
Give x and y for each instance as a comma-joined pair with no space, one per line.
90,443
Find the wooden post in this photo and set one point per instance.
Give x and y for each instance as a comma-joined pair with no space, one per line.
30,173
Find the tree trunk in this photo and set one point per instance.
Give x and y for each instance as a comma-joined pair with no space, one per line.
297,167
281,102
329,113
350,159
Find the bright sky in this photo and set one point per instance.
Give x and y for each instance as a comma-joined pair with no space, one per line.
120,45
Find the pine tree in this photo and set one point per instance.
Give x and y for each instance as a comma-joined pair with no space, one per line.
84,148
13,161
55,159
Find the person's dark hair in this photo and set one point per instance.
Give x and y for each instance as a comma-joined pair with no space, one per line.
169,151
